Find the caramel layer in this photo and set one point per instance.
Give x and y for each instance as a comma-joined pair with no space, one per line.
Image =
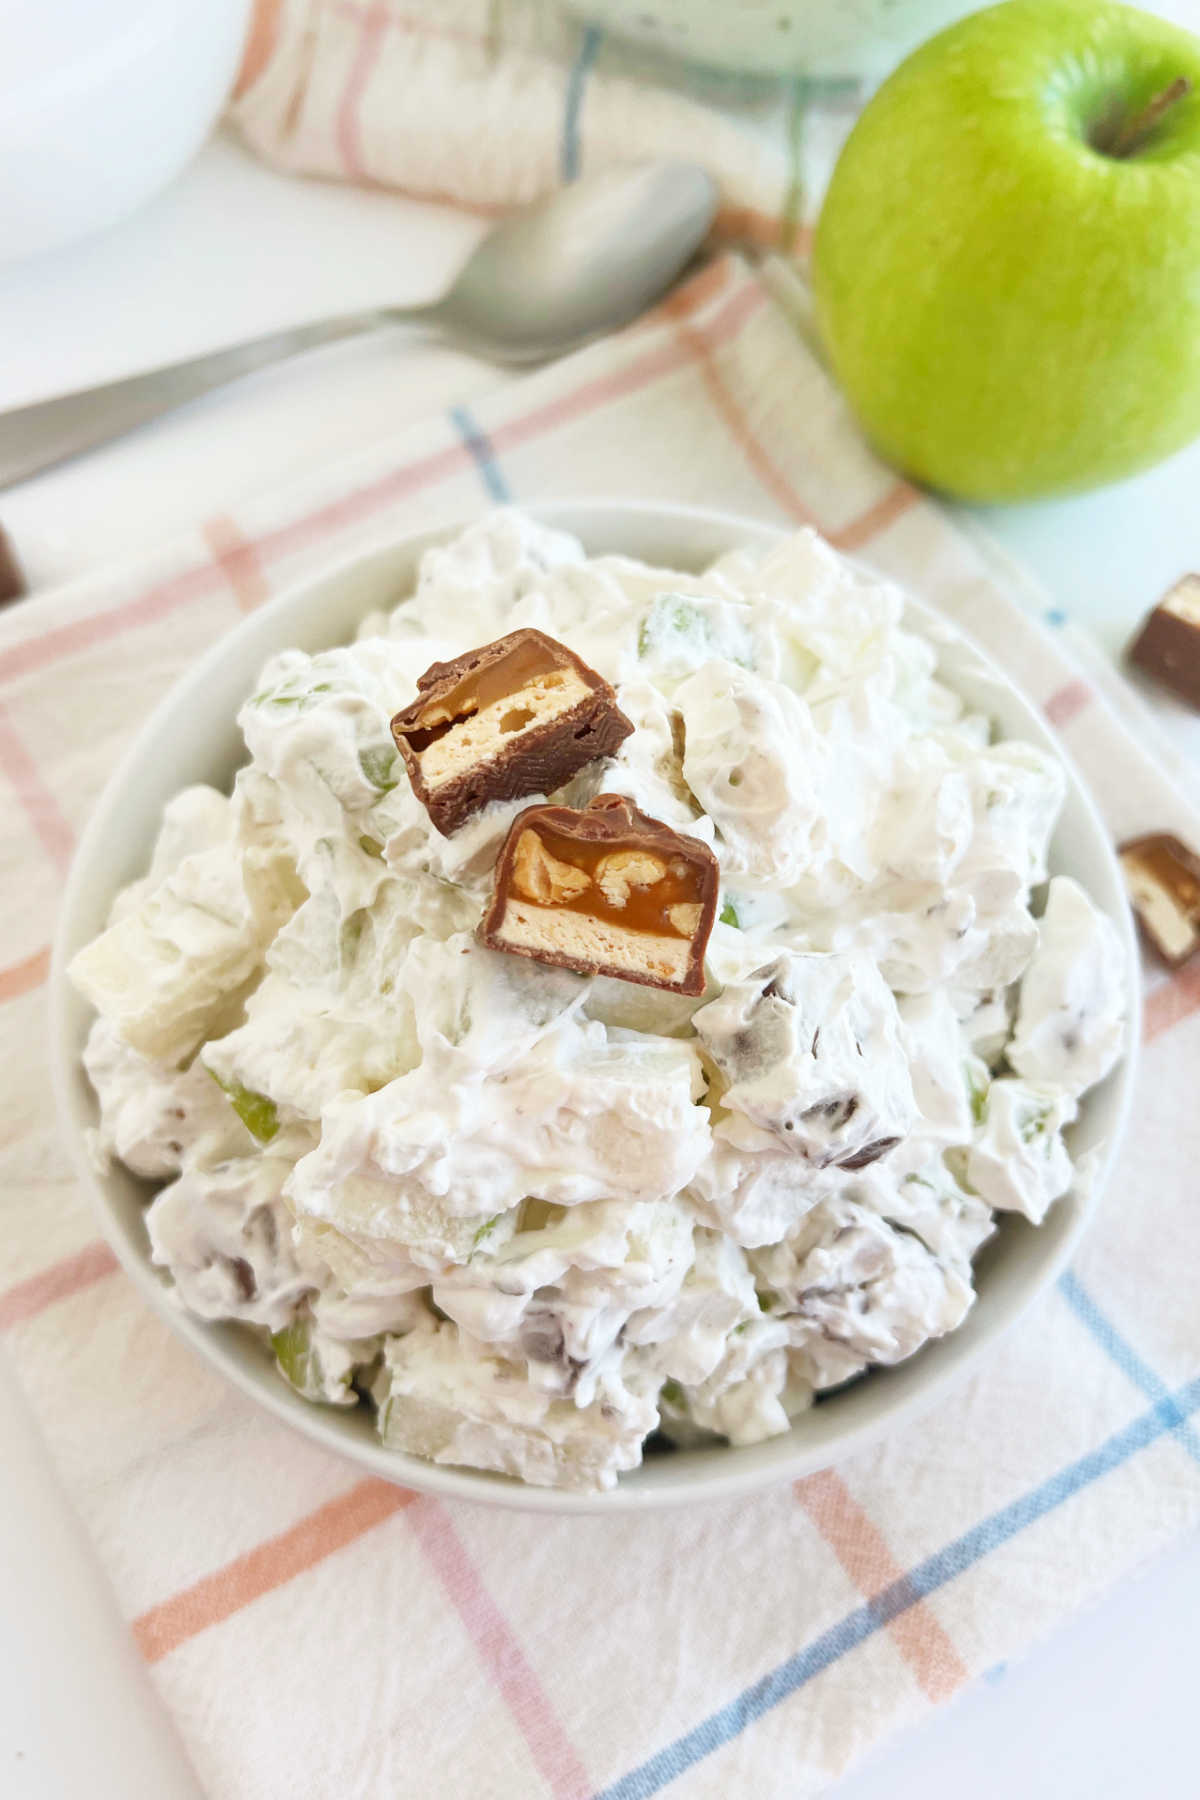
518,661
490,728
626,884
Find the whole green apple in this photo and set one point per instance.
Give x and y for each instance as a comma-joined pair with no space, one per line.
1007,266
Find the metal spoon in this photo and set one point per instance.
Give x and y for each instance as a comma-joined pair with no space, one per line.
588,259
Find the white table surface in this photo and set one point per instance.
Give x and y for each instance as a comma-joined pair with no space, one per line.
1101,1711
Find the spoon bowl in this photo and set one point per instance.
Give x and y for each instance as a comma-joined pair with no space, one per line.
587,260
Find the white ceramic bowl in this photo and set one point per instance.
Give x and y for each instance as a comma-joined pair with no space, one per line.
192,736
834,40
101,104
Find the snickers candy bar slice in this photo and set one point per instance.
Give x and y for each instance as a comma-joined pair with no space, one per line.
1168,645
605,891
1163,879
516,717
12,581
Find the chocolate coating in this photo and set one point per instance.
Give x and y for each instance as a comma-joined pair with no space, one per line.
1163,878
12,579
518,716
1168,645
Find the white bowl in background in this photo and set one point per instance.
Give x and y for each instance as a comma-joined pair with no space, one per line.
192,736
101,104
834,40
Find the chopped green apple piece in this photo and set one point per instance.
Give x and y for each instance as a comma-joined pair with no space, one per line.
689,632
978,1079
293,1349
257,1112
379,767
300,697
671,616
350,936
1035,1122
319,1367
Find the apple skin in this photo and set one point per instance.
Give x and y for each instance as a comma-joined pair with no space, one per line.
1011,312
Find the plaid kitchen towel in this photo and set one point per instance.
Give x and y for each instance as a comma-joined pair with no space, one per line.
487,103
315,1634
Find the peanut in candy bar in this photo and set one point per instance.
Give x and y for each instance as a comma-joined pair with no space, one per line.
605,891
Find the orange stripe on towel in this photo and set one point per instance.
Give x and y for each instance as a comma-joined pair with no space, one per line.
1067,702
268,1566
772,478
34,795
899,499
261,40
62,1279
234,553
863,1552
21,978
373,25
896,501
1171,1003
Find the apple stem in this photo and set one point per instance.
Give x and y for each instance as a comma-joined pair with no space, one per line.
1134,132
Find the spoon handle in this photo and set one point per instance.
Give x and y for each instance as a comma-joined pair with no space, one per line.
36,437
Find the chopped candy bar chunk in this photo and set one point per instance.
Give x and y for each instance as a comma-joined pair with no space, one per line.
12,579
605,891
1168,645
518,716
1163,879
810,1048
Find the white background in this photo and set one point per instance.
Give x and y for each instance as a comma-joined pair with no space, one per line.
1101,1712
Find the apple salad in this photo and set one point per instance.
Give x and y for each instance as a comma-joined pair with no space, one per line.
670,1081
